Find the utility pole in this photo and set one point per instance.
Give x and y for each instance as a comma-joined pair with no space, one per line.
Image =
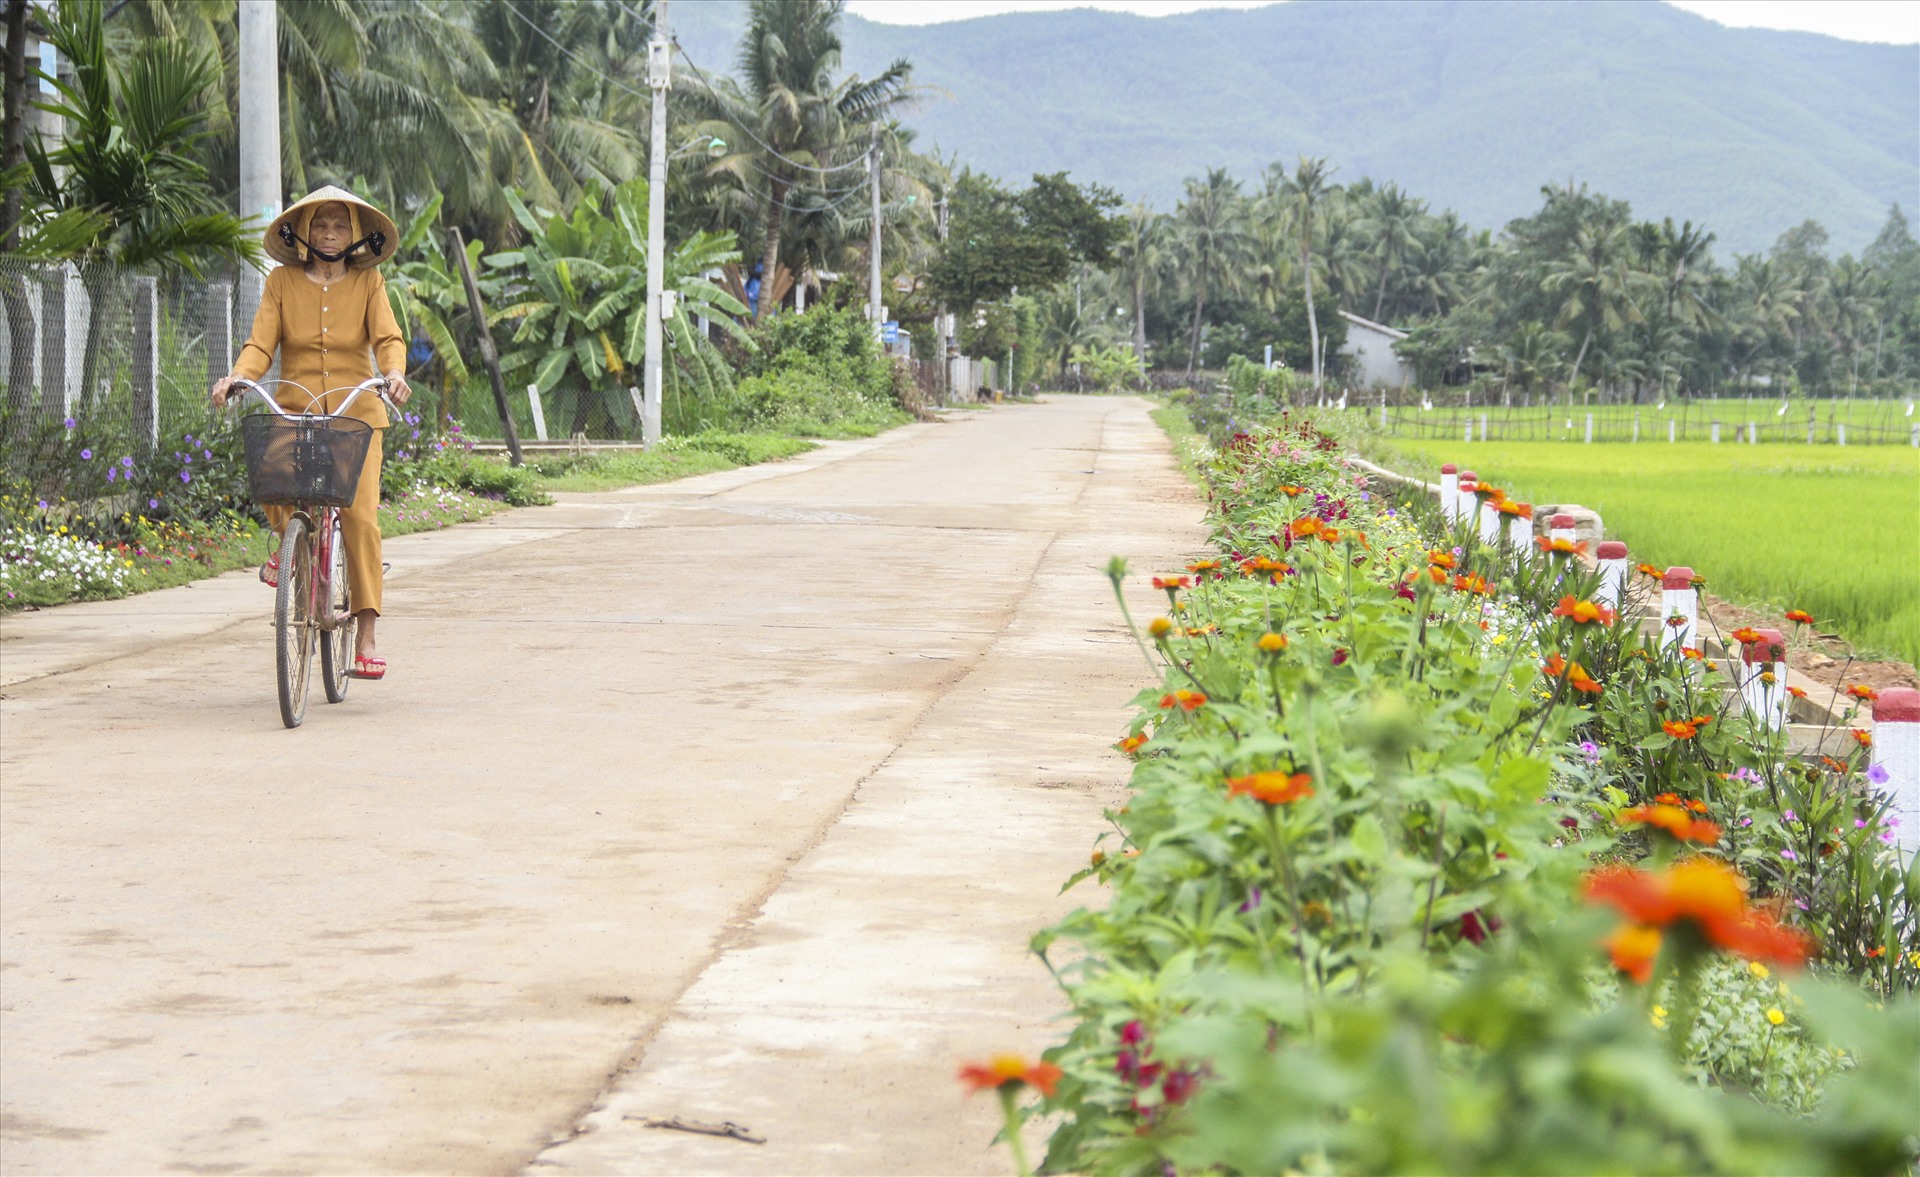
942,330
258,61
873,235
659,80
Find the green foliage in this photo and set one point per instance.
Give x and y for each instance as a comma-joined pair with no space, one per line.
814,373
1375,957
674,457
999,240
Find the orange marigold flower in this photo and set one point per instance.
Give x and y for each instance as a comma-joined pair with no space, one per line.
1304,526
1159,627
1679,729
1264,564
1009,1070
1691,654
1745,634
1132,744
1437,573
1329,534
1443,559
1796,692
1877,952
1274,788
1473,584
1799,617
1199,566
1864,692
1583,612
1272,643
1634,949
1554,667
1668,799
1706,893
1172,583
1648,570
1580,680
1183,699
1702,720
1863,738
1674,820
1291,491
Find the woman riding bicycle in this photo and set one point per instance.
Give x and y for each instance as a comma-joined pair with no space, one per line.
325,309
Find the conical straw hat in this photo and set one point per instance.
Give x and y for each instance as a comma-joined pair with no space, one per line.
366,219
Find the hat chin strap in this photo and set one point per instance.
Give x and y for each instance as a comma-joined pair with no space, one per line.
376,239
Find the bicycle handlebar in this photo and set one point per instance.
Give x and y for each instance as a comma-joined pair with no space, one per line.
375,384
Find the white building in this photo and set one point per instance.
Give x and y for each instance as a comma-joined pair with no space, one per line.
1369,347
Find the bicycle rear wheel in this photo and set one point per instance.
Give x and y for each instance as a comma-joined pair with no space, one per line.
336,646
293,623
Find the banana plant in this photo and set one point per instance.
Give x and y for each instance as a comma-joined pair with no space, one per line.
426,293
579,290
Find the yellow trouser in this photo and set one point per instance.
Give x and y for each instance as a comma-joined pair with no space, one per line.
360,529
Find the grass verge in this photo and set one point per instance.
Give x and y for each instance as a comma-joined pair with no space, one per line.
676,457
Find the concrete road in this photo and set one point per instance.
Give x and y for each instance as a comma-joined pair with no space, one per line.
731,799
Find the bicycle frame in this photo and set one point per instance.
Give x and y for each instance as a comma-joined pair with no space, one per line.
321,521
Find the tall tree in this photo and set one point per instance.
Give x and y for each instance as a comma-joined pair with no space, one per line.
1142,261
1215,244
1392,218
1305,190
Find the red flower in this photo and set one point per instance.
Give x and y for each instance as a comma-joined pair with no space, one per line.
1200,566
1863,692
1634,948
1579,680
1131,744
1291,491
1274,788
1473,584
1679,729
1172,583
1796,692
1799,617
1561,547
1863,738
1745,635
1009,1070
1674,820
1554,667
1303,527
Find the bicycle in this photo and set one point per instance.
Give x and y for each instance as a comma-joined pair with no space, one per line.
310,462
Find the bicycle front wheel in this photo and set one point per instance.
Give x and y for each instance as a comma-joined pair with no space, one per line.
293,622
336,645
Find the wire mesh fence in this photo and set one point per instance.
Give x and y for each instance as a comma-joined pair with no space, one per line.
1824,422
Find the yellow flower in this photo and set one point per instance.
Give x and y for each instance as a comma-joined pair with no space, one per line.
1658,1017
1775,1017
1272,643
1757,969
1159,627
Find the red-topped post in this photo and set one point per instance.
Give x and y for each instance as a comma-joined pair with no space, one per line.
1520,531
1560,527
1763,678
1449,491
1896,750
1679,608
1465,502
1612,555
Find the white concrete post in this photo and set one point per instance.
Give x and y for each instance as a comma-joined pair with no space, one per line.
1449,491
144,376
1763,674
1560,527
1469,432
1489,517
1840,433
1612,555
1636,427
1520,532
1483,427
1671,431
1678,600
1896,748
1466,504
1716,433
1753,434
539,417
1589,428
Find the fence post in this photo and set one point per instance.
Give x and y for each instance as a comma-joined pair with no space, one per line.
1483,427
1761,671
1449,491
1589,428
1840,433
539,417
1469,431
1896,748
1489,520
61,322
1520,531
1560,527
1678,600
216,322
145,370
1466,503
1715,432
1671,429
1636,427
1612,555
1753,434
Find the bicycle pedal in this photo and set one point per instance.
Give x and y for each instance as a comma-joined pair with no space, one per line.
385,567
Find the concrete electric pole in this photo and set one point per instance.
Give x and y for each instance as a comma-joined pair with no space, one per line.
259,64
874,310
659,80
942,326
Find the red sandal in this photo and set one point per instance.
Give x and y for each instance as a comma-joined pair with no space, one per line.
373,668
270,571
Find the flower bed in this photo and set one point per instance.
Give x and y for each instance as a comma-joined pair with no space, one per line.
1432,864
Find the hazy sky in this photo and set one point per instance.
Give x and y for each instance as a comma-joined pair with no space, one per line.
1890,21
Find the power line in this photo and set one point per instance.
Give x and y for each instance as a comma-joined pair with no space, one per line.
707,81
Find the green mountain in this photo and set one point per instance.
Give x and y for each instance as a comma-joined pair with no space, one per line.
1471,105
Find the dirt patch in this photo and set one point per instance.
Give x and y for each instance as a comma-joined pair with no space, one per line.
1823,657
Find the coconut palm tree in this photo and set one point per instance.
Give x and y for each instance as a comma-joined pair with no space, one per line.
1142,256
789,122
1392,219
1304,192
1596,283
1215,244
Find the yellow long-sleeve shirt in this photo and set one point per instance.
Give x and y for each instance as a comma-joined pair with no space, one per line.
329,336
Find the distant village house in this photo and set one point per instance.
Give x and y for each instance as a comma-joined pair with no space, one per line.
1370,355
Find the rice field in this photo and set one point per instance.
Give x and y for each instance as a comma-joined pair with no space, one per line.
1832,530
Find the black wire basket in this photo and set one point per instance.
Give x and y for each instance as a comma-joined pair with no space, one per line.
314,460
